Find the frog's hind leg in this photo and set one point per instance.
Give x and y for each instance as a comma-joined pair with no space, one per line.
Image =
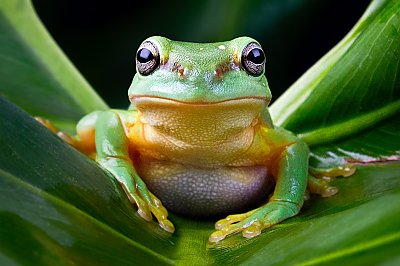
85,129
84,141
61,134
319,179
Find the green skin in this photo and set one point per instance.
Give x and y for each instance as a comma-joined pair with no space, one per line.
195,76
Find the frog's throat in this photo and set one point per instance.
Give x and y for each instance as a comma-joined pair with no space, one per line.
202,123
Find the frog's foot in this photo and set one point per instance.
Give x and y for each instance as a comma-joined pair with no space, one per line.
320,186
318,180
148,204
251,223
65,136
331,173
85,144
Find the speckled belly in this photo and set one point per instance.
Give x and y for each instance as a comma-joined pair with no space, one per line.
203,192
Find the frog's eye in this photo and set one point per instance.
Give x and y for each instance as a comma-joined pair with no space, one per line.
147,58
253,59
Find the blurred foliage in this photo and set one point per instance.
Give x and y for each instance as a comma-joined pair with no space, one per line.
294,33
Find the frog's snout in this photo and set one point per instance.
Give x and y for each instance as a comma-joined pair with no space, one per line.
218,72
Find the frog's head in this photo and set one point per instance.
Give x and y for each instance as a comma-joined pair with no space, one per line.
208,78
200,72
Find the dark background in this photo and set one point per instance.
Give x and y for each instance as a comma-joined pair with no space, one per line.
101,38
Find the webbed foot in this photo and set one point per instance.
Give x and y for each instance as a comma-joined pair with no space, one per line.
331,173
48,124
318,180
252,223
148,204
320,187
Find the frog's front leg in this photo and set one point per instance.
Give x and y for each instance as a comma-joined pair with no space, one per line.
113,154
291,181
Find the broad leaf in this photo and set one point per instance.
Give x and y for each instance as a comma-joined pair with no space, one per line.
35,74
381,144
346,102
351,89
39,170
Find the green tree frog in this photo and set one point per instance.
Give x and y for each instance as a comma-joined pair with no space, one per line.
199,139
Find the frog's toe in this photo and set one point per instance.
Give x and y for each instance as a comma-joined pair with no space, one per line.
144,213
321,187
156,208
217,236
230,225
167,225
161,214
134,198
253,230
249,227
329,191
331,173
347,170
49,125
148,204
231,219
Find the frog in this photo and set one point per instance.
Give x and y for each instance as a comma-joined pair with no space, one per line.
198,140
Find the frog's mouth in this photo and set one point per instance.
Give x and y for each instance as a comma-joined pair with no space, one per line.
140,99
200,123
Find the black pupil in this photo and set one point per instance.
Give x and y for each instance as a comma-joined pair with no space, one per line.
256,56
144,55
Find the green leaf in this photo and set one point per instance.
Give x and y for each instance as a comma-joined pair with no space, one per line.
34,72
381,144
47,185
352,88
58,206
345,104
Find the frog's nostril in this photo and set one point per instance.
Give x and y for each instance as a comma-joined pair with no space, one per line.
178,68
183,73
221,69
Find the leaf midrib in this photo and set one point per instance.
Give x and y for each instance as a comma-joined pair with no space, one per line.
350,127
